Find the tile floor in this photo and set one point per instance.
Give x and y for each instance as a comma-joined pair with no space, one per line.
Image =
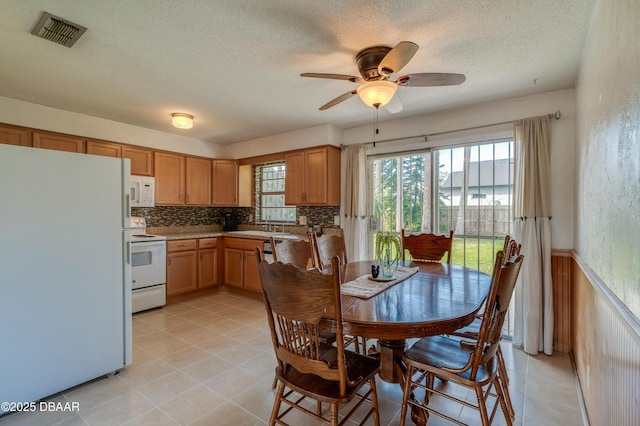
209,361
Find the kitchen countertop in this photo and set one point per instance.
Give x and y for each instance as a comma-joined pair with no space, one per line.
252,235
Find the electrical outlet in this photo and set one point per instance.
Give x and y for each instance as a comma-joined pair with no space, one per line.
336,220
250,218
303,220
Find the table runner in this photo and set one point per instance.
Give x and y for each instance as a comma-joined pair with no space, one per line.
365,288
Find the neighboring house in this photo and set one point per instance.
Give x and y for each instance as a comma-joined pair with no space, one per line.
490,183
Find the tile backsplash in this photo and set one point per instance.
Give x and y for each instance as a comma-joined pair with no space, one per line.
165,216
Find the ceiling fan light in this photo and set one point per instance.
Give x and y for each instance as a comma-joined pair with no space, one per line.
182,120
377,93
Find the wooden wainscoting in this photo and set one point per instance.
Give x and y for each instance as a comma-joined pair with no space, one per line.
606,349
561,282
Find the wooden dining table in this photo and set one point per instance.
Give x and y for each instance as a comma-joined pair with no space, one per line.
438,299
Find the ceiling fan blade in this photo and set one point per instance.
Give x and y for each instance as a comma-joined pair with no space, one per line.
431,79
397,58
351,78
394,105
337,100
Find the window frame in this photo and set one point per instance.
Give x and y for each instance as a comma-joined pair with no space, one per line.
259,193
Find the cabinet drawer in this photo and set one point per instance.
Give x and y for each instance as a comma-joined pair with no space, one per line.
243,243
181,245
205,243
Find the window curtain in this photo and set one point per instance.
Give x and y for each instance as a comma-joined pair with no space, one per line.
356,203
533,304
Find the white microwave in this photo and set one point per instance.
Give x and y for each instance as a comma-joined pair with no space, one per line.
142,191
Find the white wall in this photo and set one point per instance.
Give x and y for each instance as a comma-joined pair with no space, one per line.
562,142
326,134
607,225
26,114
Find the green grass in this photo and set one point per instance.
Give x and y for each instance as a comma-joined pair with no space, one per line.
476,254
480,254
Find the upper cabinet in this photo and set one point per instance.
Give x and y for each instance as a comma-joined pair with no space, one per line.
225,183
246,185
313,177
106,149
15,136
169,174
198,181
58,142
182,180
141,160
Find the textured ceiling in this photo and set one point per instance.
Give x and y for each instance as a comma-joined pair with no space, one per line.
235,64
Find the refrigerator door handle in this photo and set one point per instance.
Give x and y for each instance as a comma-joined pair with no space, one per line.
127,212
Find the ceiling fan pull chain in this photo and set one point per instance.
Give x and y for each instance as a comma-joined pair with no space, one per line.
375,121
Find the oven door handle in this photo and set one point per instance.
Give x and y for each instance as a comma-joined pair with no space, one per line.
136,244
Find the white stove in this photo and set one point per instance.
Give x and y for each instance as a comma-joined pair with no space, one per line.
139,228
148,267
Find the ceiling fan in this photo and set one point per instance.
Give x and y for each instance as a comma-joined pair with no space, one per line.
376,65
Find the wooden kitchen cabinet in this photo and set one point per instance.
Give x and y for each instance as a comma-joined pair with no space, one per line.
240,263
182,180
58,142
233,266
246,186
141,160
198,181
15,136
313,176
207,262
105,149
225,183
250,270
181,266
170,178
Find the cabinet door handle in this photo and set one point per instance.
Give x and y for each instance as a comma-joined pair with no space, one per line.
181,198
188,198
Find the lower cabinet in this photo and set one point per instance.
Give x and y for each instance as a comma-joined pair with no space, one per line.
207,262
241,264
182,263
193,264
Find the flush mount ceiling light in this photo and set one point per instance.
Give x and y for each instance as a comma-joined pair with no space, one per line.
377,93
182,120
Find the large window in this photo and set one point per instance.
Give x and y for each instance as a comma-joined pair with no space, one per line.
270,194
466,189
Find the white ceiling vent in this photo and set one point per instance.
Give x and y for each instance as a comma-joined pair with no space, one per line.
58,30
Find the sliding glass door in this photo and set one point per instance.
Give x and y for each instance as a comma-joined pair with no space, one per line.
467,189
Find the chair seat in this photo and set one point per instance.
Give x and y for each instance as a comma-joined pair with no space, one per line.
361,368
327,337
443,352
471,331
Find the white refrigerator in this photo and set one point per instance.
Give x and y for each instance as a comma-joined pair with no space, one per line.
65,272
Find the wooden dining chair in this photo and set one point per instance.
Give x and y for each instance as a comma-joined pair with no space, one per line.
511,249
325,247
295,252
469,364
427,247
299,254
296,301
